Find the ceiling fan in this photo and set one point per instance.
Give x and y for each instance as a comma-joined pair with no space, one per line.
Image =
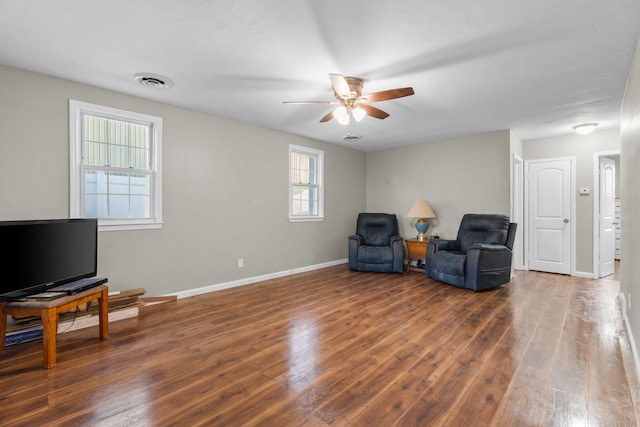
348,91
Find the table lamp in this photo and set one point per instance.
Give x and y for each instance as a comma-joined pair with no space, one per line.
421,210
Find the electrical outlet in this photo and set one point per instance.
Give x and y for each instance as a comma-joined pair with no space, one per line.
240,262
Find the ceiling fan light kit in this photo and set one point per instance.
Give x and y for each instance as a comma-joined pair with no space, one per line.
358,113
342,115
348,92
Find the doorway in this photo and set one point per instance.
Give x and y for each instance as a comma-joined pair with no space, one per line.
606,209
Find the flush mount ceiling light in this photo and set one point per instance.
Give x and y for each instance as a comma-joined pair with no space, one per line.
154,81
585,128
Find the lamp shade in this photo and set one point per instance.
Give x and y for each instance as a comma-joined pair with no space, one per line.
421,209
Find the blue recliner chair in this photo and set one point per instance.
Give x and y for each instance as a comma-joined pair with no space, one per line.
376,246
480,257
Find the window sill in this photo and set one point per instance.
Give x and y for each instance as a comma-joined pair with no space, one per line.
127,225
307,219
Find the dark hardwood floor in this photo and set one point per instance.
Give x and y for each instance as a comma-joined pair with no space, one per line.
340,348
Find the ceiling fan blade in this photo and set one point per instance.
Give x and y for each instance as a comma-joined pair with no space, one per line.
389,94
374,112
310,102
340,86
328,117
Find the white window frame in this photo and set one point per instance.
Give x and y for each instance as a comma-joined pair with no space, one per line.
319,155
76,181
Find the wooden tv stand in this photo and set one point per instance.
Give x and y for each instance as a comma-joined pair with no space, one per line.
49,313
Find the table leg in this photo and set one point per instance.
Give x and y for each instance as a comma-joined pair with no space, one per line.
103,312
3,328
49,332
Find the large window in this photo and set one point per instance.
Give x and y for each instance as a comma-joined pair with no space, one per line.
115,166
306,192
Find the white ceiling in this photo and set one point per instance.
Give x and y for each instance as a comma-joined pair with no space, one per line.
537,67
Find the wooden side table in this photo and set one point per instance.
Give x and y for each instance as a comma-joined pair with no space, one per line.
417,251
49,311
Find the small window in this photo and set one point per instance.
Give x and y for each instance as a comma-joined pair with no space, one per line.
306,192
115,166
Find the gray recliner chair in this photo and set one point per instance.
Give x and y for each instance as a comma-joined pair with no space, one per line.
480,257
376,246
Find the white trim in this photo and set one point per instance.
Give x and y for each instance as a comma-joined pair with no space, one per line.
517,211
250,280
306,218
113,226
75,161
583,274
622,305
320,183
525,247
76,109
596,207
574,219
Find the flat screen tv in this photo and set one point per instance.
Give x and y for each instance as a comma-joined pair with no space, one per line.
39,254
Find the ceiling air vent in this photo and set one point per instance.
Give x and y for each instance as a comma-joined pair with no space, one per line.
153,81
351,138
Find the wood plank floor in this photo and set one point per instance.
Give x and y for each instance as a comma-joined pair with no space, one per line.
340,348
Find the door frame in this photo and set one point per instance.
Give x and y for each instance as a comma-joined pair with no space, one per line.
596,207
517,211
572,196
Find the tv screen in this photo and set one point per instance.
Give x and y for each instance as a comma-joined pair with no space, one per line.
38,254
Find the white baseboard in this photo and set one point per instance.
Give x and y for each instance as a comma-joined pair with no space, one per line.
622,301
583,275
250,280
580,274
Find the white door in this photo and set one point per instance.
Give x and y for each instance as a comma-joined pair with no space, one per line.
607,216
549,184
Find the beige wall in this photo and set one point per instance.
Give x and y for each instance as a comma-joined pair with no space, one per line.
225,190
583,149
457,176
630,201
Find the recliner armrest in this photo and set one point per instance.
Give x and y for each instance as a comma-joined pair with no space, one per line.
488,266
357,238
397,245
395,239
433,247
445,245
489,247
354,243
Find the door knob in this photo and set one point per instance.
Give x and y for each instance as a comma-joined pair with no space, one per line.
565,220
